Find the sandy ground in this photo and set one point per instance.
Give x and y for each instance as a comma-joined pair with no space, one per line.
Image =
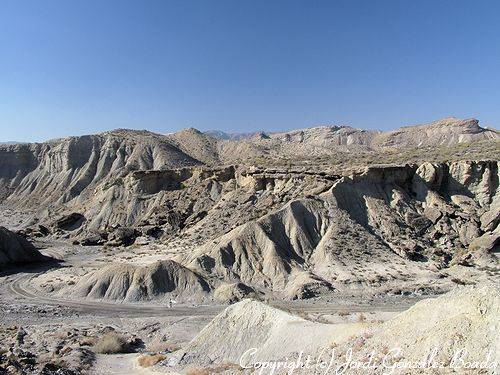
122,364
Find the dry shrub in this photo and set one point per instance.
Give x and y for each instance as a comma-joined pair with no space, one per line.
150,360
368,335
198,371
358,344
61,334
88,341
361,318
112,343
162,347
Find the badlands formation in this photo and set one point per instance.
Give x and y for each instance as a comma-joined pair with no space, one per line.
323,234
454,329
15,249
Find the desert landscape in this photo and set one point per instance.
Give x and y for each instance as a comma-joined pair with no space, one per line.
323,250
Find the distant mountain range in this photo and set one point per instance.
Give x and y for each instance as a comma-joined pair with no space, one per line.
11,143
146,150
214,147
219,134
445,131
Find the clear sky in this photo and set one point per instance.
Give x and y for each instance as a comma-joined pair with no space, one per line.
79,67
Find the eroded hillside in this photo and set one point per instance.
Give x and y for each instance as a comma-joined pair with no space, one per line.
294,231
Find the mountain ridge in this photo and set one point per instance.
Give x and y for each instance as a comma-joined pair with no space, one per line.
238,136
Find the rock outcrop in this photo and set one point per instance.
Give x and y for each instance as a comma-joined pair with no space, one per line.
422,212
124,282
234,292
59,171
299,231
327,140
265,252
247,325
15,249
453,329
387,225
64,170
445,132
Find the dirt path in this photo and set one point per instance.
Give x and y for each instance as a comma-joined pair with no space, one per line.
16,286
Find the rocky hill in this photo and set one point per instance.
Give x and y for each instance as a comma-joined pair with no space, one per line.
198,145
297,231
122,282
446,132
452,333
323,140
14,249
298,235
449,333
251,324
386,225
60,170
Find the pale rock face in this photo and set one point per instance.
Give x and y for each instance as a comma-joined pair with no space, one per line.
322,140
491,218
467,204
479,179
263,227
443,132
427,177
373,217
61,170
468,232
382,203
123,282
233,292
376,218
433,214
462,319
250,324
266,251
482,248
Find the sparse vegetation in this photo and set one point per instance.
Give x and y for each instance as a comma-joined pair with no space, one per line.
361,318
112,343
162,347
149,360
198,371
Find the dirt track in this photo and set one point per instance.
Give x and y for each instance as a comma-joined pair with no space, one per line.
16,287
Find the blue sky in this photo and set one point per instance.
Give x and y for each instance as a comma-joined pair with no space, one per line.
79,67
